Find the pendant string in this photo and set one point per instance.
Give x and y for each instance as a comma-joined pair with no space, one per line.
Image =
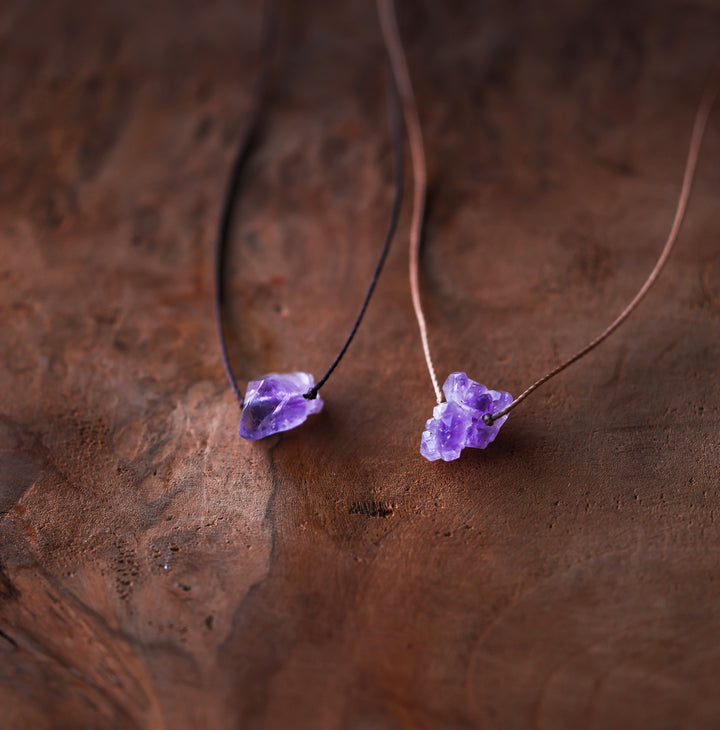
248,136
398,64
398,166
247,139
395,50
701,117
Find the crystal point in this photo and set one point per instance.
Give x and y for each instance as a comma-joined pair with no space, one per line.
276,402
458,423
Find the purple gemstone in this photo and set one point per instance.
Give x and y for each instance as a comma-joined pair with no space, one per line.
458,423
275,403
445,433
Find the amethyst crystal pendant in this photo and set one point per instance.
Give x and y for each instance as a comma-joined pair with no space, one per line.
276,402
458,422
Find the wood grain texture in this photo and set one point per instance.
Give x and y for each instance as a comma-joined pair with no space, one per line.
158,572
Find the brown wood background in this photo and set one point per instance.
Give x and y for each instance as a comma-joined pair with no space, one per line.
158,572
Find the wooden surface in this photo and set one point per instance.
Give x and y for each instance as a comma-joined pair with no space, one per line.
158,572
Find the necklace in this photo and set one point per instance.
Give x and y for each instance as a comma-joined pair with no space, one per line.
468,414
278,402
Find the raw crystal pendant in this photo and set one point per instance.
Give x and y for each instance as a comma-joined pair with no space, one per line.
275,403
458,423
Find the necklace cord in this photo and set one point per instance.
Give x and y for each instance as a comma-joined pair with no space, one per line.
696,137
401,74
398,165
248,136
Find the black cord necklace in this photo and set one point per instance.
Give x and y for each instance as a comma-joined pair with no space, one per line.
281,401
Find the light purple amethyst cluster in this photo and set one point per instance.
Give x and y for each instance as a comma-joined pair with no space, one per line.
275,403
458,422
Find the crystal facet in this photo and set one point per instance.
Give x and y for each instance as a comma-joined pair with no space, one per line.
458,423
275,403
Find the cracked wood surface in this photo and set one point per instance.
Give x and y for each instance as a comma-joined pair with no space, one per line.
158,572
